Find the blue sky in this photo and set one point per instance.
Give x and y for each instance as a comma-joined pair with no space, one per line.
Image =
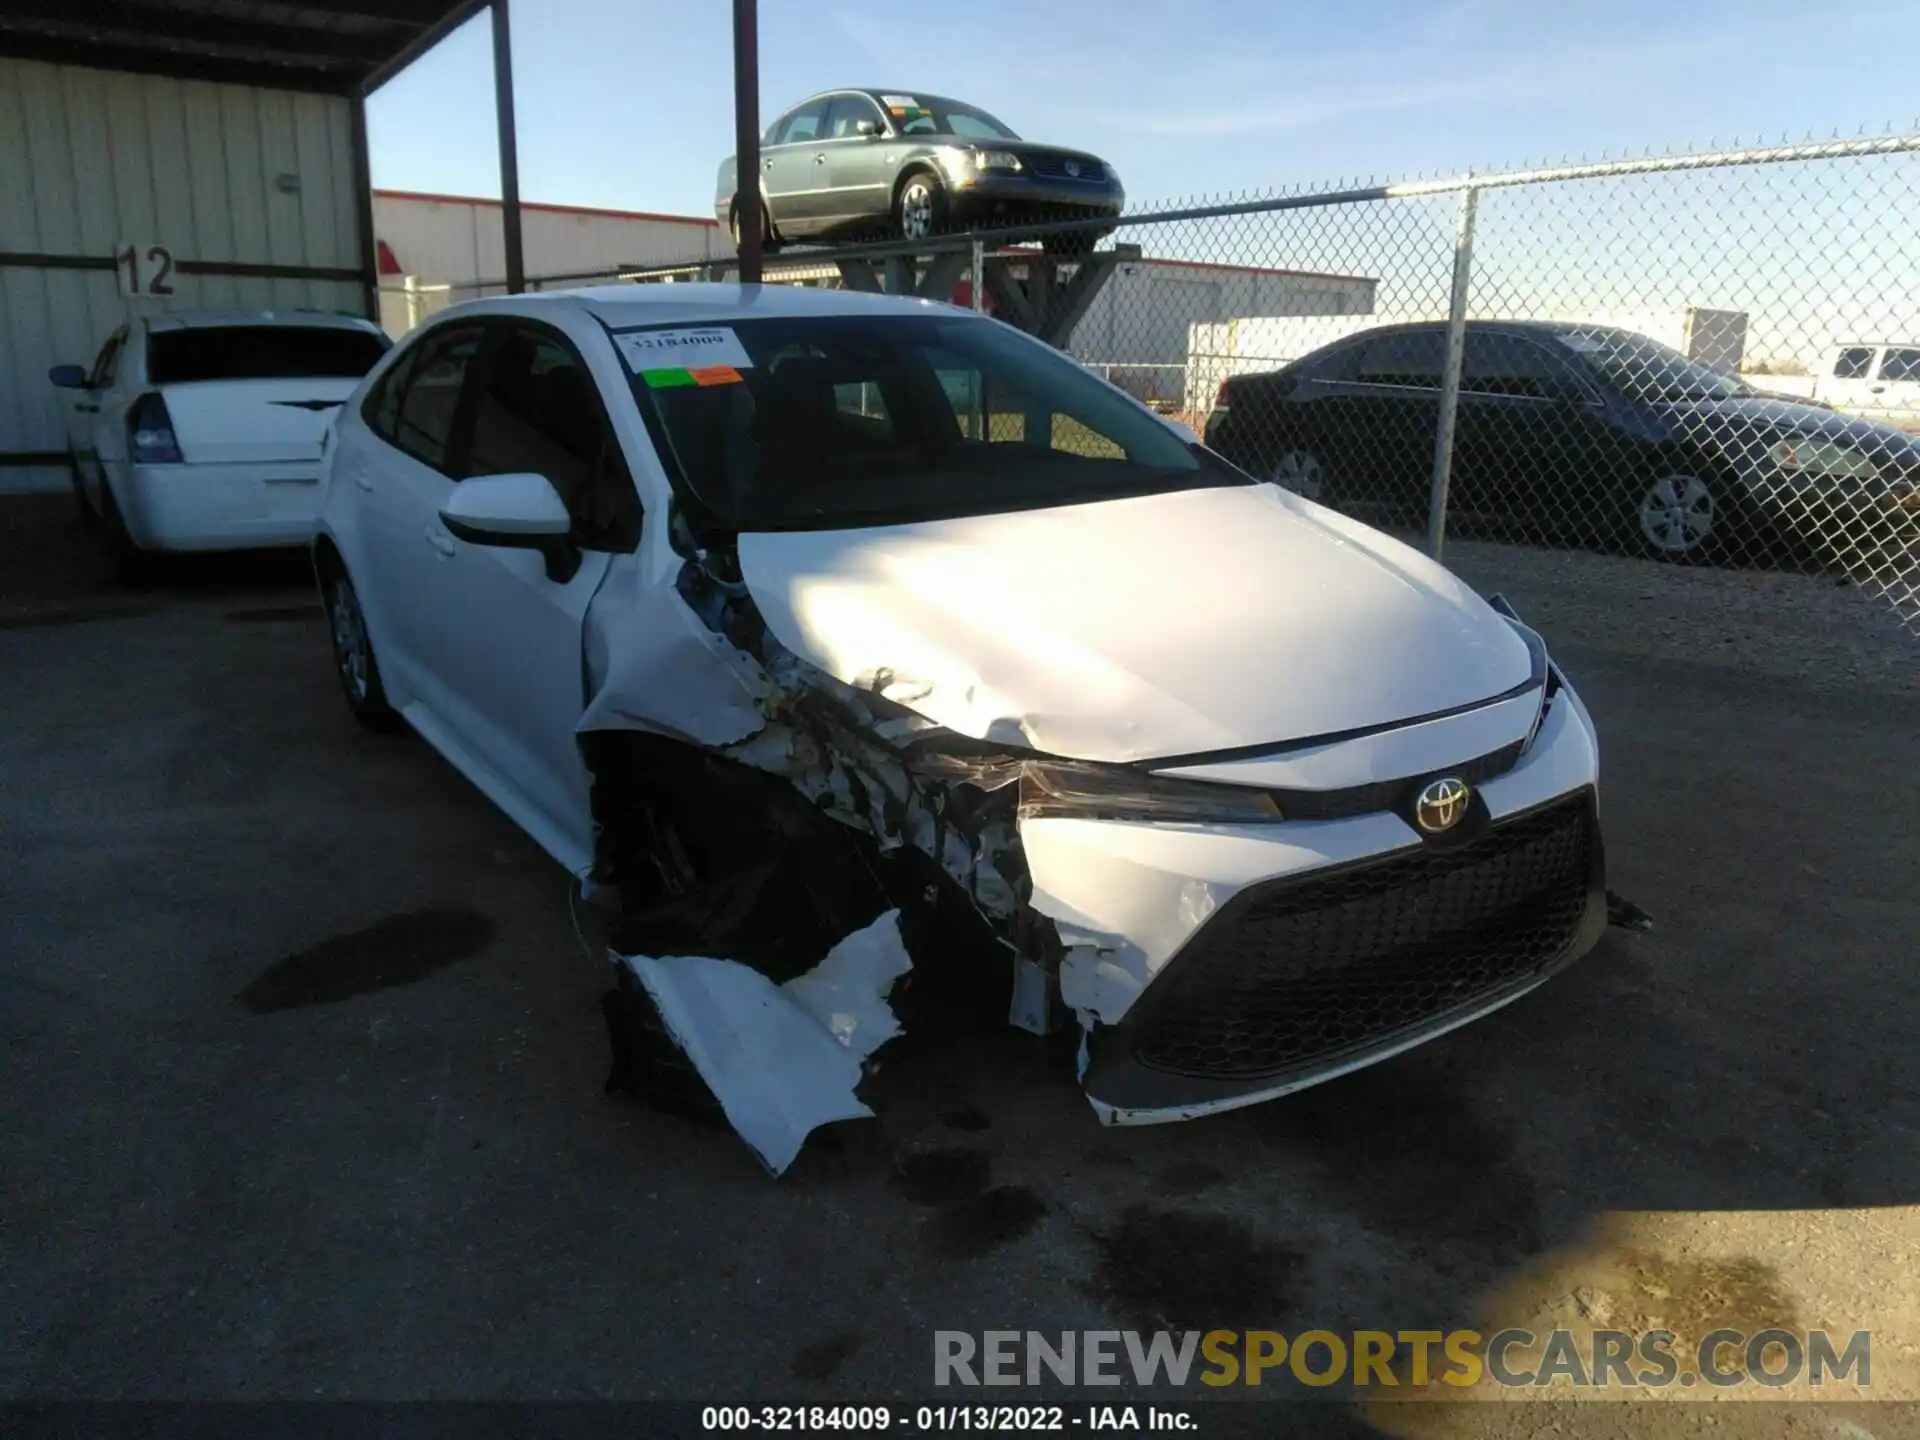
628,103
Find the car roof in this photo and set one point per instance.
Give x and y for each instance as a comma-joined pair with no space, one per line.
211,319
875,94
621,307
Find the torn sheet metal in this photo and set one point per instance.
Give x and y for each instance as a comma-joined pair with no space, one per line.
782,1059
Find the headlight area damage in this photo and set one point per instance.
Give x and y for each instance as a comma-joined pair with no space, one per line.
792,858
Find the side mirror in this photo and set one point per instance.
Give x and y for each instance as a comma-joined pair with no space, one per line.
68,377
517,512
869,128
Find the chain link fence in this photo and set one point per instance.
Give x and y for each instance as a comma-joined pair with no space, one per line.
1706,359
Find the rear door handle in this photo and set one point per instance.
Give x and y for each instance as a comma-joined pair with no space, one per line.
88,409
441,541
766,164
820,159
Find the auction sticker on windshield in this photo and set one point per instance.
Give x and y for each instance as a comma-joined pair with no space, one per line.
711,355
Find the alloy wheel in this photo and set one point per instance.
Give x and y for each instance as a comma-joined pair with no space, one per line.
350,650
1300,472
916,211
1677,514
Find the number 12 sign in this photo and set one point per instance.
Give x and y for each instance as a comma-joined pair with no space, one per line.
144,269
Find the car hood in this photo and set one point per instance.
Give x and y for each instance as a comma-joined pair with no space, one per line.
1178,624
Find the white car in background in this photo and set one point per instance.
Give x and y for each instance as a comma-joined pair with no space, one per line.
202,430
1872,378
708,586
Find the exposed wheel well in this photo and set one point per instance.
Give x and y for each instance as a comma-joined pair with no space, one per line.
919,167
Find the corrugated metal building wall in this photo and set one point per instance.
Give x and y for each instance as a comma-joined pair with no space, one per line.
252,190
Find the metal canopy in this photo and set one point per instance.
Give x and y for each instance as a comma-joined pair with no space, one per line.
339,47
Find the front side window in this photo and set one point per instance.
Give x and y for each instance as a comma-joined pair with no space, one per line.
262,352
1900,363
842,421
430,394
108,362
1412,357
1854,363
1495,364
843,120
930,115
538,410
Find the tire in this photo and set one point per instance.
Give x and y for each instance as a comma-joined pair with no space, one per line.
1300,471
920,209
353,658
89,517
768,244
1680,516
132,566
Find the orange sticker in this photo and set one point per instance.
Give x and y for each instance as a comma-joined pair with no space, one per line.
715,375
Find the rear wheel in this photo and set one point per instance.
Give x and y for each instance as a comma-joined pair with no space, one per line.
353,656
767,242
132,566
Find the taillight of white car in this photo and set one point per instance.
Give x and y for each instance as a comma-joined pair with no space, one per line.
150,432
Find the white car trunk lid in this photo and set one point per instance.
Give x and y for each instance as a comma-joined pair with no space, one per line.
227,421
1166,625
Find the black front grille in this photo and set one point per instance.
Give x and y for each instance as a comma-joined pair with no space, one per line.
1302,970
1054,167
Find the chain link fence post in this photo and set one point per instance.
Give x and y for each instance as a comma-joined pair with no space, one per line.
1450,374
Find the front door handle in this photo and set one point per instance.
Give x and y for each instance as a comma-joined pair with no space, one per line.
820,159
1878,389
363,480
766,164
88,409
442,542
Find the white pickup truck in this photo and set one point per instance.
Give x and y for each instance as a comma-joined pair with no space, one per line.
1872,378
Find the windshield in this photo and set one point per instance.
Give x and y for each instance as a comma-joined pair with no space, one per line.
930,115
1644,369
834,421
262,352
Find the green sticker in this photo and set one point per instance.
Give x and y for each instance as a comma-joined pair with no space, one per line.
669,379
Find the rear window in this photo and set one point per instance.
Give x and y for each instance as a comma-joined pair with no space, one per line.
261,352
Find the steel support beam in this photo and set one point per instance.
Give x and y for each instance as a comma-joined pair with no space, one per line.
509,148
746,138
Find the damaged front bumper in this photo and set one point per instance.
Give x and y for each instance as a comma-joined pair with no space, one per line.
1214,969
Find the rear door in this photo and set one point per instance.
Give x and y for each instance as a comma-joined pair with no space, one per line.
404,463
1384,452
511,631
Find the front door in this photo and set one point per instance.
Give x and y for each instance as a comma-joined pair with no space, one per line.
859,168
512,648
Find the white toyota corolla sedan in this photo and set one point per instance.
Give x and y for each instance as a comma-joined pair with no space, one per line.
764,609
